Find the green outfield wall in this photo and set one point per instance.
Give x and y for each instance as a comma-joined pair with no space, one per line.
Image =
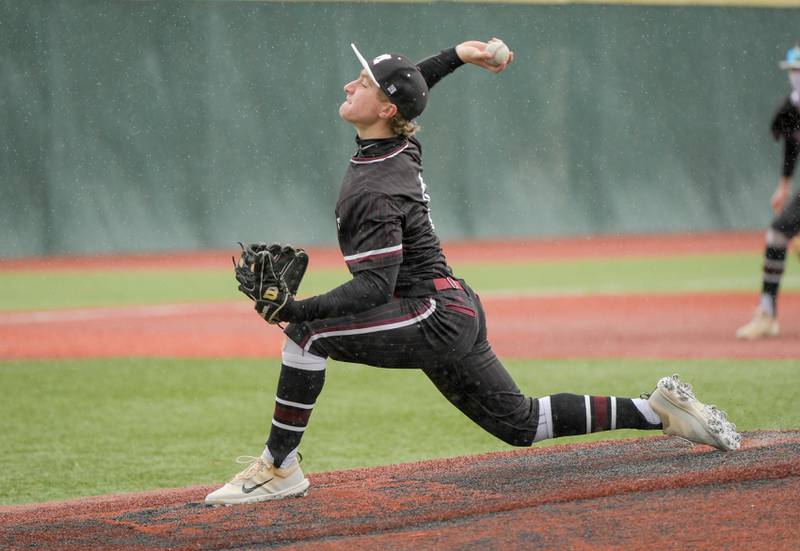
134,125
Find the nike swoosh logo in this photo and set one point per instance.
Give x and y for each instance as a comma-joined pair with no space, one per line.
254,488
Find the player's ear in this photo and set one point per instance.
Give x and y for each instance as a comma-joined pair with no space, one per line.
388,111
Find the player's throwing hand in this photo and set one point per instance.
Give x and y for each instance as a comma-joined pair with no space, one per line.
475,52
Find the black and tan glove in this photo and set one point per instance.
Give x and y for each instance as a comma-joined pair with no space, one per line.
270,275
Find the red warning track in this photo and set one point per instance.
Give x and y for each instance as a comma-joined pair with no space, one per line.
595,326
689,325
657,493
507,250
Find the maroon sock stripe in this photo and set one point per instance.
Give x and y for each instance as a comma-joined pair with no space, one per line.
288,415
600,413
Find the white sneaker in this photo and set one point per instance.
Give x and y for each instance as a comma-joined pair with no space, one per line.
762,325
261,481
684,416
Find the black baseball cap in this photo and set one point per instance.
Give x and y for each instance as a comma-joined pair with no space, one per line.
400,80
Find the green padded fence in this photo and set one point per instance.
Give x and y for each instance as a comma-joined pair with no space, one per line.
131,125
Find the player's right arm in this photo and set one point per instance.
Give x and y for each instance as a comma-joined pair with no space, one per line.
436,67
781,194
784,189
474,52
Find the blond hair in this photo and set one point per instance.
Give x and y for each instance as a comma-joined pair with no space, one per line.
398,124
403,127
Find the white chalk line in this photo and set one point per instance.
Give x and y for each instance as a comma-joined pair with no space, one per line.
169,310
121,312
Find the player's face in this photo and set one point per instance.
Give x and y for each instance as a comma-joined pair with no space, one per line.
364,102
794,79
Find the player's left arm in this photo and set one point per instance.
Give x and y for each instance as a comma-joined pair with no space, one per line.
371,239
367,289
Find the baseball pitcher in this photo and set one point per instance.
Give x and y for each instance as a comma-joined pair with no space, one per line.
404,307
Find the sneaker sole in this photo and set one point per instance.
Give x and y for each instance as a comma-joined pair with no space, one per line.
300,490
773,330
767,335
699,424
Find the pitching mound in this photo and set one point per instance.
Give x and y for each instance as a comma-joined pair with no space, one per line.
655,492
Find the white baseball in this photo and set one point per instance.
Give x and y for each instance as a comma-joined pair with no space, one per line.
499,52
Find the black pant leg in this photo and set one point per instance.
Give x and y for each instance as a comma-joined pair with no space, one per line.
788,221
404,333
479,385
445,336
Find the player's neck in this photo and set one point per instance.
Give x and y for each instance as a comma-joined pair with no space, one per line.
375,131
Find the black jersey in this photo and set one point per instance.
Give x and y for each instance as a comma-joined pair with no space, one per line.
786,125
384,225
383,213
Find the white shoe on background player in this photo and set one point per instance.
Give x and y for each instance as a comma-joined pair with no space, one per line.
762,325
261,481
684,416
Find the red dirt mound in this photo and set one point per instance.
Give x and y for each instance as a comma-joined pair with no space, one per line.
655,492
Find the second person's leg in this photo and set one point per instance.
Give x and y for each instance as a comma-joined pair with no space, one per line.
780,233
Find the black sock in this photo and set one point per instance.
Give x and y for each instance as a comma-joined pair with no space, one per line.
774,264
569,414
297,392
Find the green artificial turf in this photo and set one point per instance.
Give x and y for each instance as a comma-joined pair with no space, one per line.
90,427
83,288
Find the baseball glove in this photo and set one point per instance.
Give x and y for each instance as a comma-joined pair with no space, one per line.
270,275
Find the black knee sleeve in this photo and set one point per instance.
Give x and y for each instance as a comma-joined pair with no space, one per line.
569,414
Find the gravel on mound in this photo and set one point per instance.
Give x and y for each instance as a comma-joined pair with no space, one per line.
568,494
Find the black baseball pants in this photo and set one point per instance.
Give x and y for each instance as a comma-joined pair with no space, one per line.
444,335
788,221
